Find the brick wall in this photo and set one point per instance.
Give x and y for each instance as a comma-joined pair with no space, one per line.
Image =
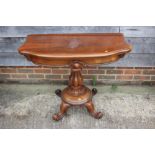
107,75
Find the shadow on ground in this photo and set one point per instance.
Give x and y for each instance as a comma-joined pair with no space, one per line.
32,106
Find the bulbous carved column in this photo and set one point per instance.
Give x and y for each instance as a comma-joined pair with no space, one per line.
75,79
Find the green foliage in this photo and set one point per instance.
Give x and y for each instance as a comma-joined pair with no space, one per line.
113,87
94,80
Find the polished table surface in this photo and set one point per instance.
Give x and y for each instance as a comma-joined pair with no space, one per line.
61,49
77,51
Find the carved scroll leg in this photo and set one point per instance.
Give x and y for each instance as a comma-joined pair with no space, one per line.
91,110
63,109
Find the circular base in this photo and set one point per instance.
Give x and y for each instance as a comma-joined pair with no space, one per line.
78,96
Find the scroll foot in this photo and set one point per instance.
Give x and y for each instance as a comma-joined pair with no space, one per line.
58,92
91,110
63,109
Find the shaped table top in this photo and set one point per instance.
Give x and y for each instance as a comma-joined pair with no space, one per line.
61,49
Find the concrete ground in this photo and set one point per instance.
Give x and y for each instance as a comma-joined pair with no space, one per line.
32,105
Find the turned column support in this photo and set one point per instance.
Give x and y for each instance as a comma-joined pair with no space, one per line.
75,78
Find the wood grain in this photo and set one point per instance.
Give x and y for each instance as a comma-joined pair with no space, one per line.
62,49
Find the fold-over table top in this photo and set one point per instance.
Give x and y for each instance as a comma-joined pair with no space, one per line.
61,49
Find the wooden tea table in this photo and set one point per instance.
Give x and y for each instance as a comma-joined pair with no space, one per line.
76,51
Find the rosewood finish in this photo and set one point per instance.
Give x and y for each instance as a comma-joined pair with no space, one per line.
77,51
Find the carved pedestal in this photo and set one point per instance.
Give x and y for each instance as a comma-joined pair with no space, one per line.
76,94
